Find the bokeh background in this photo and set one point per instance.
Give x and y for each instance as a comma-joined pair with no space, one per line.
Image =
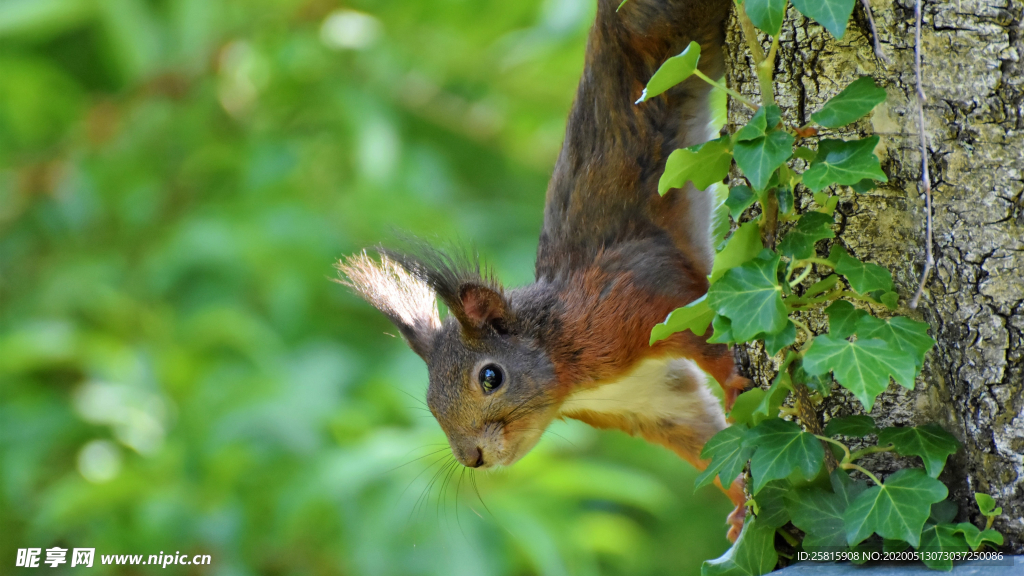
177,370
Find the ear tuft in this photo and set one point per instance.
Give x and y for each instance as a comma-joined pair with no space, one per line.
406,300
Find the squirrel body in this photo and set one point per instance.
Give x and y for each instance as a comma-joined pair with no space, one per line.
614,259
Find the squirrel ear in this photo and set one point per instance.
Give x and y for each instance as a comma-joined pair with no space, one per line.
406,300
481,305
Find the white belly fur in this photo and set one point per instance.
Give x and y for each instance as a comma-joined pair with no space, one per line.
657,390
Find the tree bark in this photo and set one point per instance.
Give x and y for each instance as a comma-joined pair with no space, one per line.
973,380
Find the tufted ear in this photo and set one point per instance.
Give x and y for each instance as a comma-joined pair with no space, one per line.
479,306
406,300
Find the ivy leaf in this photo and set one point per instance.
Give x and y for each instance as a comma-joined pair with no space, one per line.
843,162
842,318
897,509
752,554
856,100
742,247
900,332
750,296
743,408
766,14
864,277
862,367
976,537
740,198
703,164
760,157
784,194
941,538
782,447
771,503
799,242
695,317
819,513
773,343
832,14
721,330
853,426
930,442
728,456
672,72
821,383
987,504
763,120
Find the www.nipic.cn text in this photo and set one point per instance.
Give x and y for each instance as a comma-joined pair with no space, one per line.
56,556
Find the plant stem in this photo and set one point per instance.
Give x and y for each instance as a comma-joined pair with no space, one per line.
821,261
852,466
739,97
846,459
803,275
764,76
870,450
787,537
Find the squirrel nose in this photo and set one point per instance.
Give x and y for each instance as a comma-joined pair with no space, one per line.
474,457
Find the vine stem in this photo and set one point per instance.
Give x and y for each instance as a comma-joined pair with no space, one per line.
862,470
741,98
870,450
803,275
929,259
874,31
846,450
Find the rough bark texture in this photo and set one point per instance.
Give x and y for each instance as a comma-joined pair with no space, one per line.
973,381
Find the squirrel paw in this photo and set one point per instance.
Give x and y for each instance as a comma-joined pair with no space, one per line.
733,388
735,521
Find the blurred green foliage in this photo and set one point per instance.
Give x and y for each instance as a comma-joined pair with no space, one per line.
177,371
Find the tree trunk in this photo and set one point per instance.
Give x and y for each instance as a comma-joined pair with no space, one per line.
973,380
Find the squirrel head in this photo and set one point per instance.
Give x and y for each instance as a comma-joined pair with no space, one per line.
491,382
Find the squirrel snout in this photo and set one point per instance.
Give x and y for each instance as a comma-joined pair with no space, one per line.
473,457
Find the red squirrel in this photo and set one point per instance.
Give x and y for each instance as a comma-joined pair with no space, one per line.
614,259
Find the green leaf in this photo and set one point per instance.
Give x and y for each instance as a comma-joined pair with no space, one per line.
942,512
864,277
743,408
856,100
976,537
782,448
703,164
897,509
853,426
930,442
821,383
773,343
672,72
784,195
763,120
728,456
799,242
695,317
753,553
832,14
721,331
742,247
865,185
900,332
771,503
750,296
760,157
987,504
862,367
740,198
819,513
773,399
842,318
766,14
941,538
843,162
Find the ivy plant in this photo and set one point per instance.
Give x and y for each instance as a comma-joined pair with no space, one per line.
806,485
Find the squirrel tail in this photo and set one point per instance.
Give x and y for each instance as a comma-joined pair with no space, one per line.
605,184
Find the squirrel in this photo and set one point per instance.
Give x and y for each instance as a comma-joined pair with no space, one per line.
614,259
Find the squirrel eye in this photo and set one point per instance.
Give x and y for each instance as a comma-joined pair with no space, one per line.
491,377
